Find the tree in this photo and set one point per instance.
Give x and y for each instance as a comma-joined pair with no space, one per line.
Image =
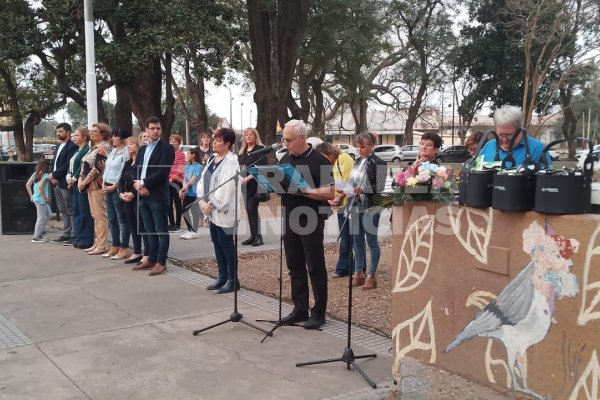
29,93
275,30
426,26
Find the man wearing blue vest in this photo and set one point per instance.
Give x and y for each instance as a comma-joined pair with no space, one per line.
508,122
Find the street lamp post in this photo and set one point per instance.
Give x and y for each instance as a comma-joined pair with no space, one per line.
90,64
241,116
230,107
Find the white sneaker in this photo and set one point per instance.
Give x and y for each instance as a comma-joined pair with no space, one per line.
189,235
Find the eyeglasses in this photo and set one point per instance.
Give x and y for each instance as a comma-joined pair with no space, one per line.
288,141
426,145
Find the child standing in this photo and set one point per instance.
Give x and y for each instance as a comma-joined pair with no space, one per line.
188,192
40,197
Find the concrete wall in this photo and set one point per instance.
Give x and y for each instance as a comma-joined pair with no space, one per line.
510,299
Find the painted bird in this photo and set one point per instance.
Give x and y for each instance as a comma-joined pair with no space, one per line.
521,315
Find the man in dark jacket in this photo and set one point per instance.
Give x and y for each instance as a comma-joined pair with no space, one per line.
151,180
60,166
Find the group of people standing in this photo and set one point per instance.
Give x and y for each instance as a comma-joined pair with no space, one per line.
106,181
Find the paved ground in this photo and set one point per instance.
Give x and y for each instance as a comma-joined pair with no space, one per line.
74,326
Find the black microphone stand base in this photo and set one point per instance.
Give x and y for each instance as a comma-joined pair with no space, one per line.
348,358
234,317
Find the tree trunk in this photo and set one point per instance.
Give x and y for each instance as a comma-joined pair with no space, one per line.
146,91
569,125
319,117
32,120
24,153
275,30
123,107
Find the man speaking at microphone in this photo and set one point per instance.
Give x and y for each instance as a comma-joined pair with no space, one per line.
304,223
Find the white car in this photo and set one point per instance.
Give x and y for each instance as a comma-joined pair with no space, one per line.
410,152
186,147
351,150
388,152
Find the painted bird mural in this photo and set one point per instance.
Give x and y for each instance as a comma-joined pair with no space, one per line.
521,315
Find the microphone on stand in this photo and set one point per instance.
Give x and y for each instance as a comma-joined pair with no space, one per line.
266,150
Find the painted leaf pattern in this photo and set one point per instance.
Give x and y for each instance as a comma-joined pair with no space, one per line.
421,332
479,229
587,385
590,293
415,254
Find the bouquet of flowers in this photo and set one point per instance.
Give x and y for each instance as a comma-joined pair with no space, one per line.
427,181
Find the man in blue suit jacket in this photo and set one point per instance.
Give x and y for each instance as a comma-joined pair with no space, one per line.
60,166
151,180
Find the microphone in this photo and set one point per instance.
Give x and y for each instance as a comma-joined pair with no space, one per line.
266,150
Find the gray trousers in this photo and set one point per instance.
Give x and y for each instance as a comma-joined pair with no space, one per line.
43,216
65,207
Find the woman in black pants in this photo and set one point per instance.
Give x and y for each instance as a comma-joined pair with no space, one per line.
250,145
129,197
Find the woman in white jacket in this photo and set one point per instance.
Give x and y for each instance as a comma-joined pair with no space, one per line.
220,206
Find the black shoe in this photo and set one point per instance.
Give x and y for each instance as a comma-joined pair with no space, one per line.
68,242
84,246
294,316
61,239
258,241
217,284
228,287
133,260
248,241
315,321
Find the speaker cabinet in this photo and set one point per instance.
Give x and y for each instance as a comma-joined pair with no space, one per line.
17,210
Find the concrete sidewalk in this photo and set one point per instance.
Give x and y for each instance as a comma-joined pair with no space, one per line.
74,326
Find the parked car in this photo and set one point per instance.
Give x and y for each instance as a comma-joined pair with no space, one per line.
388,152
453,154
43,151
410,152
5,153
186,147
351,150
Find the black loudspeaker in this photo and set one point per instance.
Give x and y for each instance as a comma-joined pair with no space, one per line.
17,211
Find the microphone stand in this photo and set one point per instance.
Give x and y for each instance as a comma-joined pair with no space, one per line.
278,322
348,356
235,316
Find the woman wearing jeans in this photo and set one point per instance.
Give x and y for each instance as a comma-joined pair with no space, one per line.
220,206
83,224
119,229
367,178
128,196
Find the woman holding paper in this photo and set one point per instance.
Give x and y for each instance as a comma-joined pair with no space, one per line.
367,178
218,203
342,166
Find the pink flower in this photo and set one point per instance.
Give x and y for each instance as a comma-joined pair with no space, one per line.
401,178
441,172
437,182
424,176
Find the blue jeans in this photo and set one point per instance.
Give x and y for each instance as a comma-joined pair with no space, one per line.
136,228
222,239
366,224
341,268
83,224
117,223
154,217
